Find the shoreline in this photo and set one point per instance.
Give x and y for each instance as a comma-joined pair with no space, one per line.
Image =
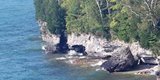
84,62
95,48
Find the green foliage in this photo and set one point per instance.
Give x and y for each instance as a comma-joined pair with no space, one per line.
40,13
85,16
51,12
123,23
128,20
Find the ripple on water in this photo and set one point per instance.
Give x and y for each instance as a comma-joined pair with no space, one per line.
21,57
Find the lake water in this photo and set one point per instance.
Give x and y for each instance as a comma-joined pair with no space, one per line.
21,57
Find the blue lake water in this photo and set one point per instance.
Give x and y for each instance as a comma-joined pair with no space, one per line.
21,57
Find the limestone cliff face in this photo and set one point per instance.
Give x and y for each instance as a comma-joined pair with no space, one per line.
92,43
46,35
94,46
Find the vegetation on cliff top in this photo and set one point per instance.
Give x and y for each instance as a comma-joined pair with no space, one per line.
128,20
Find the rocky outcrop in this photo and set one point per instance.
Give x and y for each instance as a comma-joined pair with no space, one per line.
46,35
158,75
121,61
94,46
91,43
48,48
114,54
57,42
62,46
79,49
139,52
149,60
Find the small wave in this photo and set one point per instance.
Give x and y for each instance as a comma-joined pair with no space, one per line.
61,58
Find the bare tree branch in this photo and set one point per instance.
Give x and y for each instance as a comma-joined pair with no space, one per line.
130,8
150,12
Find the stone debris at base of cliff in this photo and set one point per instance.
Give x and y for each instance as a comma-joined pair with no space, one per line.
82,61
98,49
122,60
92,43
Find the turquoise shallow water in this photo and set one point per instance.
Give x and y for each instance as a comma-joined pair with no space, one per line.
21,57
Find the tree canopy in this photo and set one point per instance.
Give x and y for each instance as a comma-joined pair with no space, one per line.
128,20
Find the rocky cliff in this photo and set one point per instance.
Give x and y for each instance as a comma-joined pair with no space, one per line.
93,44
96,47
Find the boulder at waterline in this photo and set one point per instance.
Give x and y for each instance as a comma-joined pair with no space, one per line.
61,48
79,49
74,53
122,60
149,60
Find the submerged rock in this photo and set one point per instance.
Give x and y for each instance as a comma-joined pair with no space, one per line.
122,60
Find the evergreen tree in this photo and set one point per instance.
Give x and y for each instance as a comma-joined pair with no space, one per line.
128,20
